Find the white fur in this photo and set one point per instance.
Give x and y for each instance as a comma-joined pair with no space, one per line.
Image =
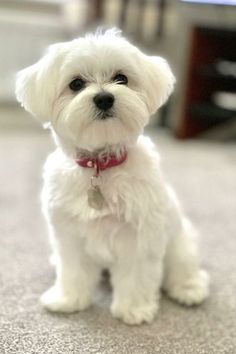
141,235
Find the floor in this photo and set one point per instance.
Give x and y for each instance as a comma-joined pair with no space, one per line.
204,176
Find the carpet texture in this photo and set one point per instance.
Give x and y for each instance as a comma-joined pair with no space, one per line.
204,176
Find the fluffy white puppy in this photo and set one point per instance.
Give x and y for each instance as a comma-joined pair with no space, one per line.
104,198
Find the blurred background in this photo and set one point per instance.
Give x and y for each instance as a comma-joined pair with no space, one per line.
198,37
195,133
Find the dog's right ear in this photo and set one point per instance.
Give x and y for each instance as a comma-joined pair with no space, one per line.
26,88
35,85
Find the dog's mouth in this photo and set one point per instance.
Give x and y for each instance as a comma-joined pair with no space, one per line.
103,115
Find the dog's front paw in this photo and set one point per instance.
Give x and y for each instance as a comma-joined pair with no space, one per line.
135,315
54,300
190,291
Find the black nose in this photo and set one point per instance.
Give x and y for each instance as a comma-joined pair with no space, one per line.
104,100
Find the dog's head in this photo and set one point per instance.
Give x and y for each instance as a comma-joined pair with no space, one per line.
95,91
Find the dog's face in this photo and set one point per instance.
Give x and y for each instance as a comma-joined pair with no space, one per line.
95,91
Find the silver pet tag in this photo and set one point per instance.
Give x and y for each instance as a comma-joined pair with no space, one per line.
95,198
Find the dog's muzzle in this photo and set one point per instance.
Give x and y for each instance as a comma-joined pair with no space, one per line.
104,101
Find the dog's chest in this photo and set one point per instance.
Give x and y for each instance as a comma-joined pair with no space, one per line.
104,237
104,199
76,195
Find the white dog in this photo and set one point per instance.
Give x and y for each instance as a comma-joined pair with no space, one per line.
106,203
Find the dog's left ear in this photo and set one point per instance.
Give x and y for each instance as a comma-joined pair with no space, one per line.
158,81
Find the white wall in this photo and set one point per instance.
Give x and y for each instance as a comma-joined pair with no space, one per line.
26,29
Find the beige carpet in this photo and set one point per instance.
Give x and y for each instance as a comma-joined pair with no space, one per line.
203,174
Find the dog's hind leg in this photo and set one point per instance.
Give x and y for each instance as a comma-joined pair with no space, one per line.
183,280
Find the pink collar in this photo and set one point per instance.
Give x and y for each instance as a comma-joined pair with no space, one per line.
102,163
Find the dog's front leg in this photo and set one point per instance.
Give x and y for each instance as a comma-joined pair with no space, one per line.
136,290
76,274
136,283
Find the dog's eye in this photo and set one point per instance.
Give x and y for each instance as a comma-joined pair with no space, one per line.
77,84
120,79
